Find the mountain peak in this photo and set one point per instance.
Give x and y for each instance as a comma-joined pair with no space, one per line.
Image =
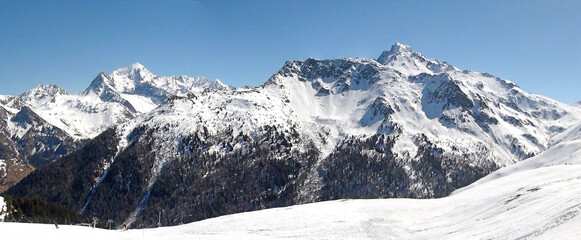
397,49
127,78
49,87
43,91
137,66
403,58
135,71
217,84
400,47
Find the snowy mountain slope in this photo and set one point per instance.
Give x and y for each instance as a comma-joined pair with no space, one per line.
536,203
110,99
399,126
566,152
47,122
447,101
81,116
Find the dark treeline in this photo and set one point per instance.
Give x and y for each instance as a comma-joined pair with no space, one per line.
37,211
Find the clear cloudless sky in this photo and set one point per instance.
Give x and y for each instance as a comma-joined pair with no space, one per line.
536,44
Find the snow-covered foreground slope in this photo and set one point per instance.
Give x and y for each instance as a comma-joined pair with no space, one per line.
538,198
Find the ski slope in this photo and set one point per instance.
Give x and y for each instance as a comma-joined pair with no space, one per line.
538,198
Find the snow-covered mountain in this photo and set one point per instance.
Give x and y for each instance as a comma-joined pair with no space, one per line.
404,91
47,122
401,125
142,91
110,99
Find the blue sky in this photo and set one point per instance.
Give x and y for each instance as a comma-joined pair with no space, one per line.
533,43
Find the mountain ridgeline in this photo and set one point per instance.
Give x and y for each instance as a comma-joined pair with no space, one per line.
399,126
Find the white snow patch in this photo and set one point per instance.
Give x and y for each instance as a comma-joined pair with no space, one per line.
142,104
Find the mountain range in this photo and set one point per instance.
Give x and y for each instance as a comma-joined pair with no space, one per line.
47,122
401,125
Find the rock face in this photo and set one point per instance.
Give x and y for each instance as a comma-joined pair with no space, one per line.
46,123
399,126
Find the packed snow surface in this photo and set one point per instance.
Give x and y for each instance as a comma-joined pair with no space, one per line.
538,198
